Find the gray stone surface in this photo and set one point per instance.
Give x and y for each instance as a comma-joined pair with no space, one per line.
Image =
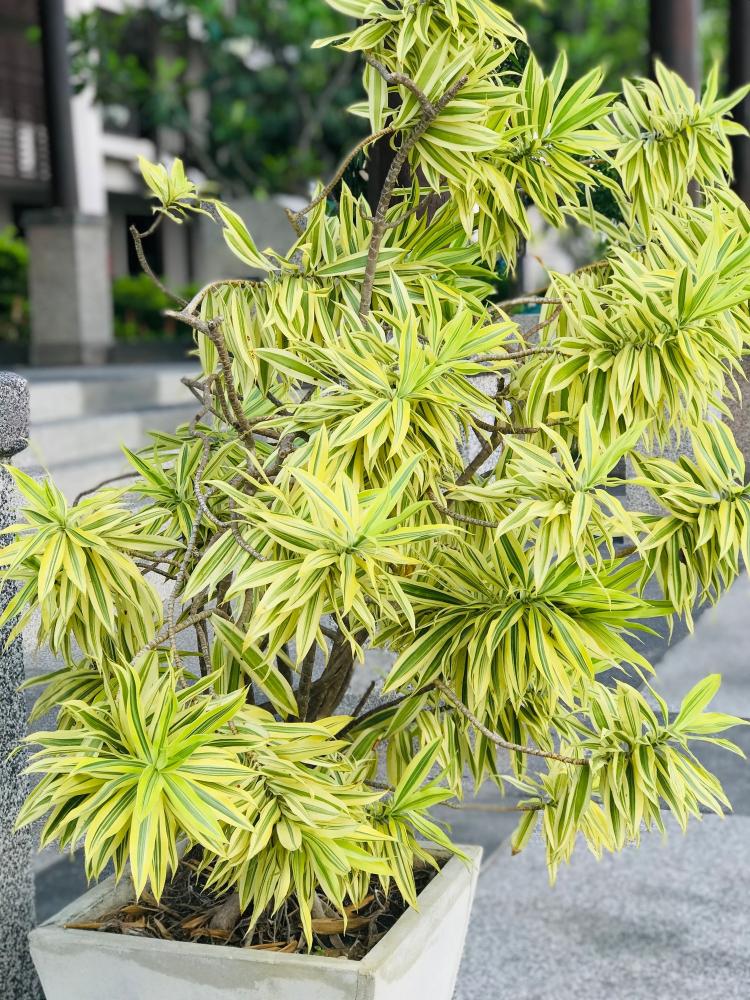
637,497
669,921
732,771
719,645
265,218
740,410
14,414
69,289
17,977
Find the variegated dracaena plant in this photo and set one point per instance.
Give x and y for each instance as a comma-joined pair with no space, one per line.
321,501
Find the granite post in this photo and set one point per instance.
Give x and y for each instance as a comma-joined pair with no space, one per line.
18,979
740,409
70,289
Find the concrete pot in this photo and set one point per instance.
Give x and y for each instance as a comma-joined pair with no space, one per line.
418,957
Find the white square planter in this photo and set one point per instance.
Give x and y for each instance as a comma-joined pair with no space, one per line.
418,957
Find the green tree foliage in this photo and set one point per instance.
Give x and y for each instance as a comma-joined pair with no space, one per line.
14,304
325,499
610,32
245,67
254,105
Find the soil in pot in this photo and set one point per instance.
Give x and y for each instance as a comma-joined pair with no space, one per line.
187,911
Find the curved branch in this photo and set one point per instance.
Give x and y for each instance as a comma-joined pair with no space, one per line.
527,352
401,80
146,267
625,551
430,112
105,482
295,217
524,300
490,807
169,633
498,740
211,329
455,516
421,205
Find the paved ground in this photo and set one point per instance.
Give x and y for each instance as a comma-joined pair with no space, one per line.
80,417
669,921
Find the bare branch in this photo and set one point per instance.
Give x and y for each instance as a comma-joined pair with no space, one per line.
295,217
430,112
626,550
485,450
498,740
402,80
544,323
140,254
169,633
305,683
384,706
364,699
150,567
211,329
517,431
490,807
528,352
524,300
455,516
153,227
105,482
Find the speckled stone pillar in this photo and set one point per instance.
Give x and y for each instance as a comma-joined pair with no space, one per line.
740,410
18,980
70,290
637,498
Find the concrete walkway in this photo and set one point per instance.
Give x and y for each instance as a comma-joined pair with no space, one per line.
669,921
80,418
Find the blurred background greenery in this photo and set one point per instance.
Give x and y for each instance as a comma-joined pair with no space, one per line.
253,107
273,104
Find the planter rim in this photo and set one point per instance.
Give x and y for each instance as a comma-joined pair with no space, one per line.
87,904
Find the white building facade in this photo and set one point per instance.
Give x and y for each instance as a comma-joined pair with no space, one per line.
107,145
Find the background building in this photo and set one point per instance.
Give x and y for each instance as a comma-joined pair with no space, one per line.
107,142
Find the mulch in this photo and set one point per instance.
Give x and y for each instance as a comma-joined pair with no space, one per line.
186,909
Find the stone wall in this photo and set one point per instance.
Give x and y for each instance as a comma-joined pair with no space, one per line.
17,977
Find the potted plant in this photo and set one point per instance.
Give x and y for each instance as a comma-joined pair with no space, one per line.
212,613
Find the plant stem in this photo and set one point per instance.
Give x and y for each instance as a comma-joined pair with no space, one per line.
146,267
105,482
175,630
305,684
489,807
295,217
525,300
498,740
364,699
462,518
527,352
430,112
